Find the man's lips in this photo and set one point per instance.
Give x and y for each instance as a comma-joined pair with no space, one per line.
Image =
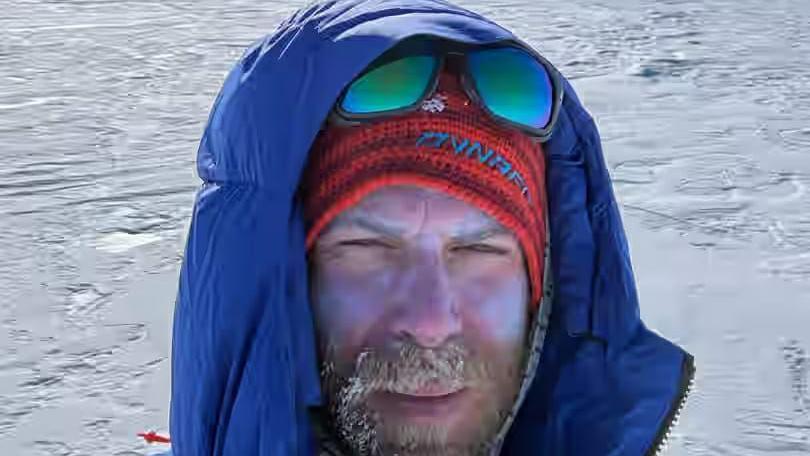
430,404
431,390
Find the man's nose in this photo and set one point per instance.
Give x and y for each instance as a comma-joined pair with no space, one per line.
428,314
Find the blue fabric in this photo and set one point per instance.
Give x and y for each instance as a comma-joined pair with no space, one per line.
244,368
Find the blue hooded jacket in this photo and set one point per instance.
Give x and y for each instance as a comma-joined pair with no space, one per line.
244,360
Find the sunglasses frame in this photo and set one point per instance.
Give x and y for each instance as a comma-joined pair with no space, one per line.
443,50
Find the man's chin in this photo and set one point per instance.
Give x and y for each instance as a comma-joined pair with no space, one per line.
433,450
419,439
426,431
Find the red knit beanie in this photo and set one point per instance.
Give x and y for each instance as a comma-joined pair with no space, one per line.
450,145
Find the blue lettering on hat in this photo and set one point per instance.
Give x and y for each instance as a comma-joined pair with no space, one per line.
424,137
478,150
491,158
458,146
515,177
441,138
474,147
504,166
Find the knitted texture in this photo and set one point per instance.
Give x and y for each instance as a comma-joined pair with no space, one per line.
449,145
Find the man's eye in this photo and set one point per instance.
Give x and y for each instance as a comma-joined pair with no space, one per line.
366,243
480,248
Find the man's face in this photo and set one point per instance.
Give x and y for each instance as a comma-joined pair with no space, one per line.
421,309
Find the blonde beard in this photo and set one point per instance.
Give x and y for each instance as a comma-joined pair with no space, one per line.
368,434
408,439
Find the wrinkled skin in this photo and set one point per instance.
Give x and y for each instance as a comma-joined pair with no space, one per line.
421,309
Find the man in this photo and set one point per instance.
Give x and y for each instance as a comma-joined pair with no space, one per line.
407,243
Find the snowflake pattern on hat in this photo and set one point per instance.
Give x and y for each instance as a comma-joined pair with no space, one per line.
435,104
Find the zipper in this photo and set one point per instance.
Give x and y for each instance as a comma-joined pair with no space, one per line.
685,387
538,339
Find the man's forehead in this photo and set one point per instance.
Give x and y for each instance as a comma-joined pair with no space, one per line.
400,210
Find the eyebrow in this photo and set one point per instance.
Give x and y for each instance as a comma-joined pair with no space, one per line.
489,228
481,233
375,225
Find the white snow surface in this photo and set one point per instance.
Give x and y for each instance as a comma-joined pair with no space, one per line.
704,109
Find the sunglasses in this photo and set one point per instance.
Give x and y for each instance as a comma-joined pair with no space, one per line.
512,84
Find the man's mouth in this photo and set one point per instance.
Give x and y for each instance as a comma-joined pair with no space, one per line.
428,404
433,389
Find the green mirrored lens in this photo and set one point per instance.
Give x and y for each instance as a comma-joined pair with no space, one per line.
513,85
391,86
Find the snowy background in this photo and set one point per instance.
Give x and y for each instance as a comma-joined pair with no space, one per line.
704,108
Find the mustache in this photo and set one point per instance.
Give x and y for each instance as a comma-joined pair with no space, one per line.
415,368
411,370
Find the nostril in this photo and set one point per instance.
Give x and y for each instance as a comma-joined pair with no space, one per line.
429,324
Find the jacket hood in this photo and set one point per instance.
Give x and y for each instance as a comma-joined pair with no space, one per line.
244,360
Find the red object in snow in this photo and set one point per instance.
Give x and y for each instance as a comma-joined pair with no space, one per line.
153,437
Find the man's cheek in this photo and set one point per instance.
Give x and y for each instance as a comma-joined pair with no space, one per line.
348,308
497,311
